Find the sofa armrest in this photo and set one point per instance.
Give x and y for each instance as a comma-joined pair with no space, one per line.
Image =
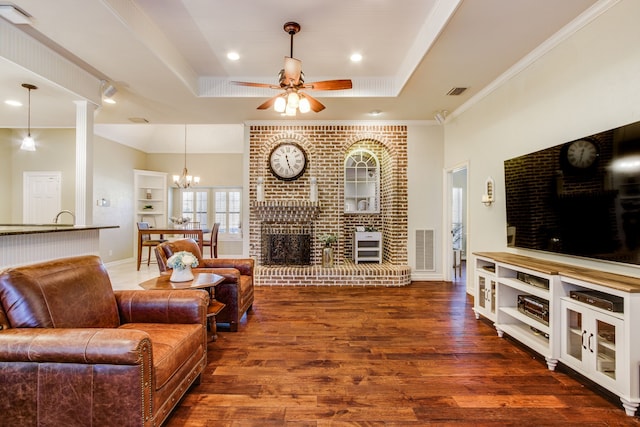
244,265
160,306
84,345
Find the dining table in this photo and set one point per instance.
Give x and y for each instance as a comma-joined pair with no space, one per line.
172,230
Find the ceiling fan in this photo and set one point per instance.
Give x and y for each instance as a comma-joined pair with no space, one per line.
291,81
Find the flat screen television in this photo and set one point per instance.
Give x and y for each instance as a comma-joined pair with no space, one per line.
580,198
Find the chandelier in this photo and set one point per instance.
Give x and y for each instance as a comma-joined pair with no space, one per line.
185,180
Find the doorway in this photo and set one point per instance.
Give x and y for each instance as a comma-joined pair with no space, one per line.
41,196
456,224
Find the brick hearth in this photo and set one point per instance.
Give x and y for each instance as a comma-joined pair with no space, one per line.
348,274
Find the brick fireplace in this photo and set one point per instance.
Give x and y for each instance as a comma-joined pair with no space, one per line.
287,209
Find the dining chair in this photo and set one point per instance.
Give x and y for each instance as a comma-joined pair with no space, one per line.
213,241
193,225
147,241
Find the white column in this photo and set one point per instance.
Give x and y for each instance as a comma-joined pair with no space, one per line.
84,162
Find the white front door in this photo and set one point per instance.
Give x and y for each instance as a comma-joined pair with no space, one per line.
42,196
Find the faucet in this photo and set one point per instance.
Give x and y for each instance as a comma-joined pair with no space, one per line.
55,220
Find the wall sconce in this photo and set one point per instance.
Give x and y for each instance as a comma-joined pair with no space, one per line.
487,197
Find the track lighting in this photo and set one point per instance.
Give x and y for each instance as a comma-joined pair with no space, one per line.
441,116
108,91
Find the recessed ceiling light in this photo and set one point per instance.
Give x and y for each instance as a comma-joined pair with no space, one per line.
109,101
375,112
233,56
356,57
13,103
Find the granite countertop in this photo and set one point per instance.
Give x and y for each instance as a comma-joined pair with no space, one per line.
14,229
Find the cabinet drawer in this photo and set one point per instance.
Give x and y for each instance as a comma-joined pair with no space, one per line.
363,235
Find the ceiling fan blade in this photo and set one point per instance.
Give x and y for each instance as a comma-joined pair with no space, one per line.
316,105
292,70
329,85
266,85
268,103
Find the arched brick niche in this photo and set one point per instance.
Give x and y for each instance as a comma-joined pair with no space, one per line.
326,147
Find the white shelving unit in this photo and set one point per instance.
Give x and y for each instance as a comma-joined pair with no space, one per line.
598,343
367,246
535,332
149,189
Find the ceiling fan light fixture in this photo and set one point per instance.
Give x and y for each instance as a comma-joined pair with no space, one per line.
293,100
291,80
290,111
280,105
304,106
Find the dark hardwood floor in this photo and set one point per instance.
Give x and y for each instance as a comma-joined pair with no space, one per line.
408,356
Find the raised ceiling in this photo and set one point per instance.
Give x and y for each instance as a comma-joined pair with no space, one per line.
167,58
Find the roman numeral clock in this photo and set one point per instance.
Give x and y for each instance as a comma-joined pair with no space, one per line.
287,161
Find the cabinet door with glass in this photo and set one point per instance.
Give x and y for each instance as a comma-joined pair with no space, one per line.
361,182
486,296
592,343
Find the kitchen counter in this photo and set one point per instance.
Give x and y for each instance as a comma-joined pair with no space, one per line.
22,244
13,229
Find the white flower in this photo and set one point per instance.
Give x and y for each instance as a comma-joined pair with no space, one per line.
181,260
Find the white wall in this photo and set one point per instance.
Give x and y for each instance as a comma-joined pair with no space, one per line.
425,154
588,83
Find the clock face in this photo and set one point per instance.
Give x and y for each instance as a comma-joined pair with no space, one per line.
581,154
287,161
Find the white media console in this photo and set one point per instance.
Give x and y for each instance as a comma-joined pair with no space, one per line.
586,319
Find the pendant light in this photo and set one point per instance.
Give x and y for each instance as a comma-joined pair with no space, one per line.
185,180
28,144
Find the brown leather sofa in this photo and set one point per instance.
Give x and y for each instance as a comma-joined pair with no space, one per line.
75,353
236,291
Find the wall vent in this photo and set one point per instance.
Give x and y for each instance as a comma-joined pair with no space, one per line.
456,91
425,250
138,120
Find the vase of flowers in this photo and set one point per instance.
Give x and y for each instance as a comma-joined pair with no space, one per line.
182,262
179,222
327,251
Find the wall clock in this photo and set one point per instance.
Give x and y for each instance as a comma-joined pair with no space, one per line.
287,161
580,155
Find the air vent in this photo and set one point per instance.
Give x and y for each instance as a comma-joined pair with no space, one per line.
425,250
456,91
138,120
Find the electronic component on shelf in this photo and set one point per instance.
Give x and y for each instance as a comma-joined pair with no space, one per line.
532,280
599,299
534,307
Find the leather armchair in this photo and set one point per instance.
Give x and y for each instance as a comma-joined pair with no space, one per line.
73,352
236,291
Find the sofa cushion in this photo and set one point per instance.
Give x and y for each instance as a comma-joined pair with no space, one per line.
47,295
172,346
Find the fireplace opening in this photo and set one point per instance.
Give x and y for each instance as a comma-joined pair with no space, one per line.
286,244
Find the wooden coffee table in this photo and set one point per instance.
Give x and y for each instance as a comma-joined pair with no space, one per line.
206,281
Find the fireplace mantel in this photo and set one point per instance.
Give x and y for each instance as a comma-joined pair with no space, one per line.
287,210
